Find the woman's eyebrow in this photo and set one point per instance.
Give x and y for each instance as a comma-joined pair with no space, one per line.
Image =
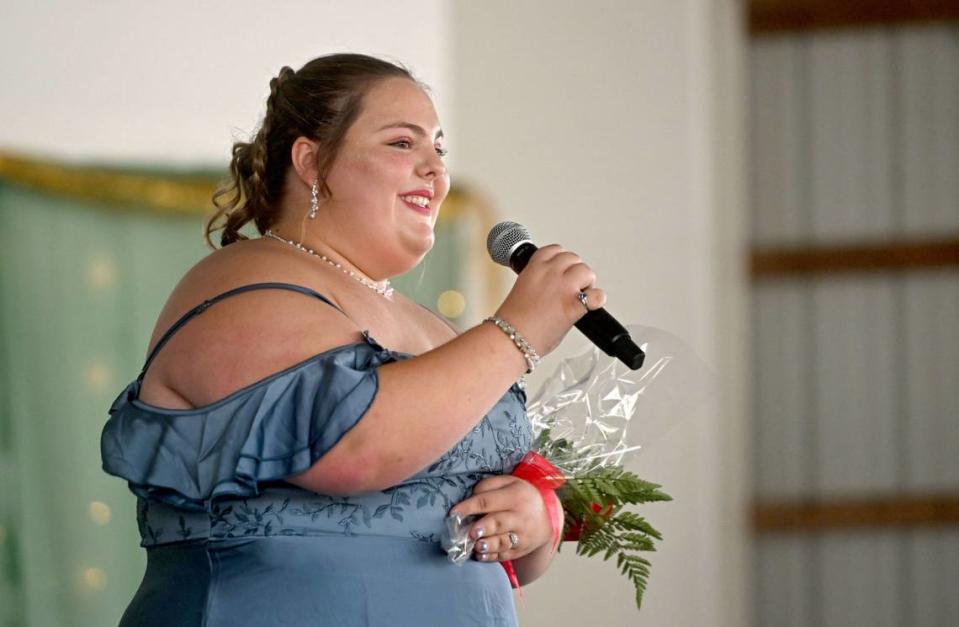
418,130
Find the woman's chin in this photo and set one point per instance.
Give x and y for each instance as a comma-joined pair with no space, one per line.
406,250
420,243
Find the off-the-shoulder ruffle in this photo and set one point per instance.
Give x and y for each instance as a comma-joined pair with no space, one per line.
269,430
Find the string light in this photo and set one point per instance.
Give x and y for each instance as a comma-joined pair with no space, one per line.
97,376
94,578
100,512
101,271
451,304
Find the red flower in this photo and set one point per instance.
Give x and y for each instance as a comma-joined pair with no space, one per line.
575,530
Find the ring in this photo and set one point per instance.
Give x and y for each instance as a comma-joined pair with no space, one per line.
584,299
513,540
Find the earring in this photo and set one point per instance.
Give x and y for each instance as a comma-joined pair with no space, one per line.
315,201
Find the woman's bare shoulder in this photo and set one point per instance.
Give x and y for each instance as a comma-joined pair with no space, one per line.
245,337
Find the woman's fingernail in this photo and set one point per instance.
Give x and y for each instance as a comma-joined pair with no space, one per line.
478,533
483,547
484,557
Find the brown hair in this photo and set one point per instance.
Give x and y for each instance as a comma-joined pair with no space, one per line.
319,101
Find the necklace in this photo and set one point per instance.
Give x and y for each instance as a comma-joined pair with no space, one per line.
383,290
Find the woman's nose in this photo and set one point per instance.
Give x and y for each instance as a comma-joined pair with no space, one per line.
431,166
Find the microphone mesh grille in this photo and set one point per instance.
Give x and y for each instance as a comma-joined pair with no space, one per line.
503,238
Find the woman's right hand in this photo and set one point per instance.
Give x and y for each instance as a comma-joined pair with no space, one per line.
544,302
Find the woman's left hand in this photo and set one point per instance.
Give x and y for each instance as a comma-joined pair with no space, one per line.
510,504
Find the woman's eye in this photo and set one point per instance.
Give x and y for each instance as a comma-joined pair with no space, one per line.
402,143
441,151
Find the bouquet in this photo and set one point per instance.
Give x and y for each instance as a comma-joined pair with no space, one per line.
589,415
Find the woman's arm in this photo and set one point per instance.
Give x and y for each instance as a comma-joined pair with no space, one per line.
423,407
428,403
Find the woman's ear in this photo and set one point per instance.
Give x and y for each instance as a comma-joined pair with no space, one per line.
304,156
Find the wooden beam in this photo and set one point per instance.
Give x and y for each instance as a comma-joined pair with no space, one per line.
782,16
872,257
864,513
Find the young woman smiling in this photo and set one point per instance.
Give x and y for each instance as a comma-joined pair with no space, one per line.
300,430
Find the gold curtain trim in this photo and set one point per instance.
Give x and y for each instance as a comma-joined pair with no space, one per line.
168,194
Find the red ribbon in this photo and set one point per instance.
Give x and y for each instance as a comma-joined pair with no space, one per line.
546,478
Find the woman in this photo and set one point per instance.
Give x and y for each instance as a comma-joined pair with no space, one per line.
300,431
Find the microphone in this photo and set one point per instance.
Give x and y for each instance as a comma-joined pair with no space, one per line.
510,244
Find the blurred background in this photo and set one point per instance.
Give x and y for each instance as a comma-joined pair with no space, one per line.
774,181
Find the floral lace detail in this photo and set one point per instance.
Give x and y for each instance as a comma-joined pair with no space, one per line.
240,519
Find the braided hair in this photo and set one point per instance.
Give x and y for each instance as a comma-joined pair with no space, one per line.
320,101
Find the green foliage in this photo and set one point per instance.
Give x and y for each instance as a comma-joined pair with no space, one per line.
612,531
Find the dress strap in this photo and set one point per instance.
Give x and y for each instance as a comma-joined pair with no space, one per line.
210,301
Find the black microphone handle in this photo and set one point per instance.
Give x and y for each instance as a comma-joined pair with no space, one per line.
521,256
611,337
598,325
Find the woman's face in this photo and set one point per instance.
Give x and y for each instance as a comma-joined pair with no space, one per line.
388,180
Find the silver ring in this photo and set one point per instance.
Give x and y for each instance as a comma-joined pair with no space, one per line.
513,540
584,299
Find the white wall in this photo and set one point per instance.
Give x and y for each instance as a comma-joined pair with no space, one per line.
172,82
615,128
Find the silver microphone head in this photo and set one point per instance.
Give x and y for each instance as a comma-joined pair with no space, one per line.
504,238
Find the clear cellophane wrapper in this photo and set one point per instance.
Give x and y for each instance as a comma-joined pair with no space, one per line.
593,412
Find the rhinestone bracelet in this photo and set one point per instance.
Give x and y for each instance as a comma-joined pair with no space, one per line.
532,359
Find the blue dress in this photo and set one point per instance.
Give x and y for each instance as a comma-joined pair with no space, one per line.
229,543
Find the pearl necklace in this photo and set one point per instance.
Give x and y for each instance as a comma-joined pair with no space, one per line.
382,290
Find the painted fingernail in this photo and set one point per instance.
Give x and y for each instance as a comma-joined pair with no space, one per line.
483,547
484,557
478,533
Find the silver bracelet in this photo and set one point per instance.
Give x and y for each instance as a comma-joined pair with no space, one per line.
532,359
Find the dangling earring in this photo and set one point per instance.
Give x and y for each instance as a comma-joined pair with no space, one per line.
315,201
